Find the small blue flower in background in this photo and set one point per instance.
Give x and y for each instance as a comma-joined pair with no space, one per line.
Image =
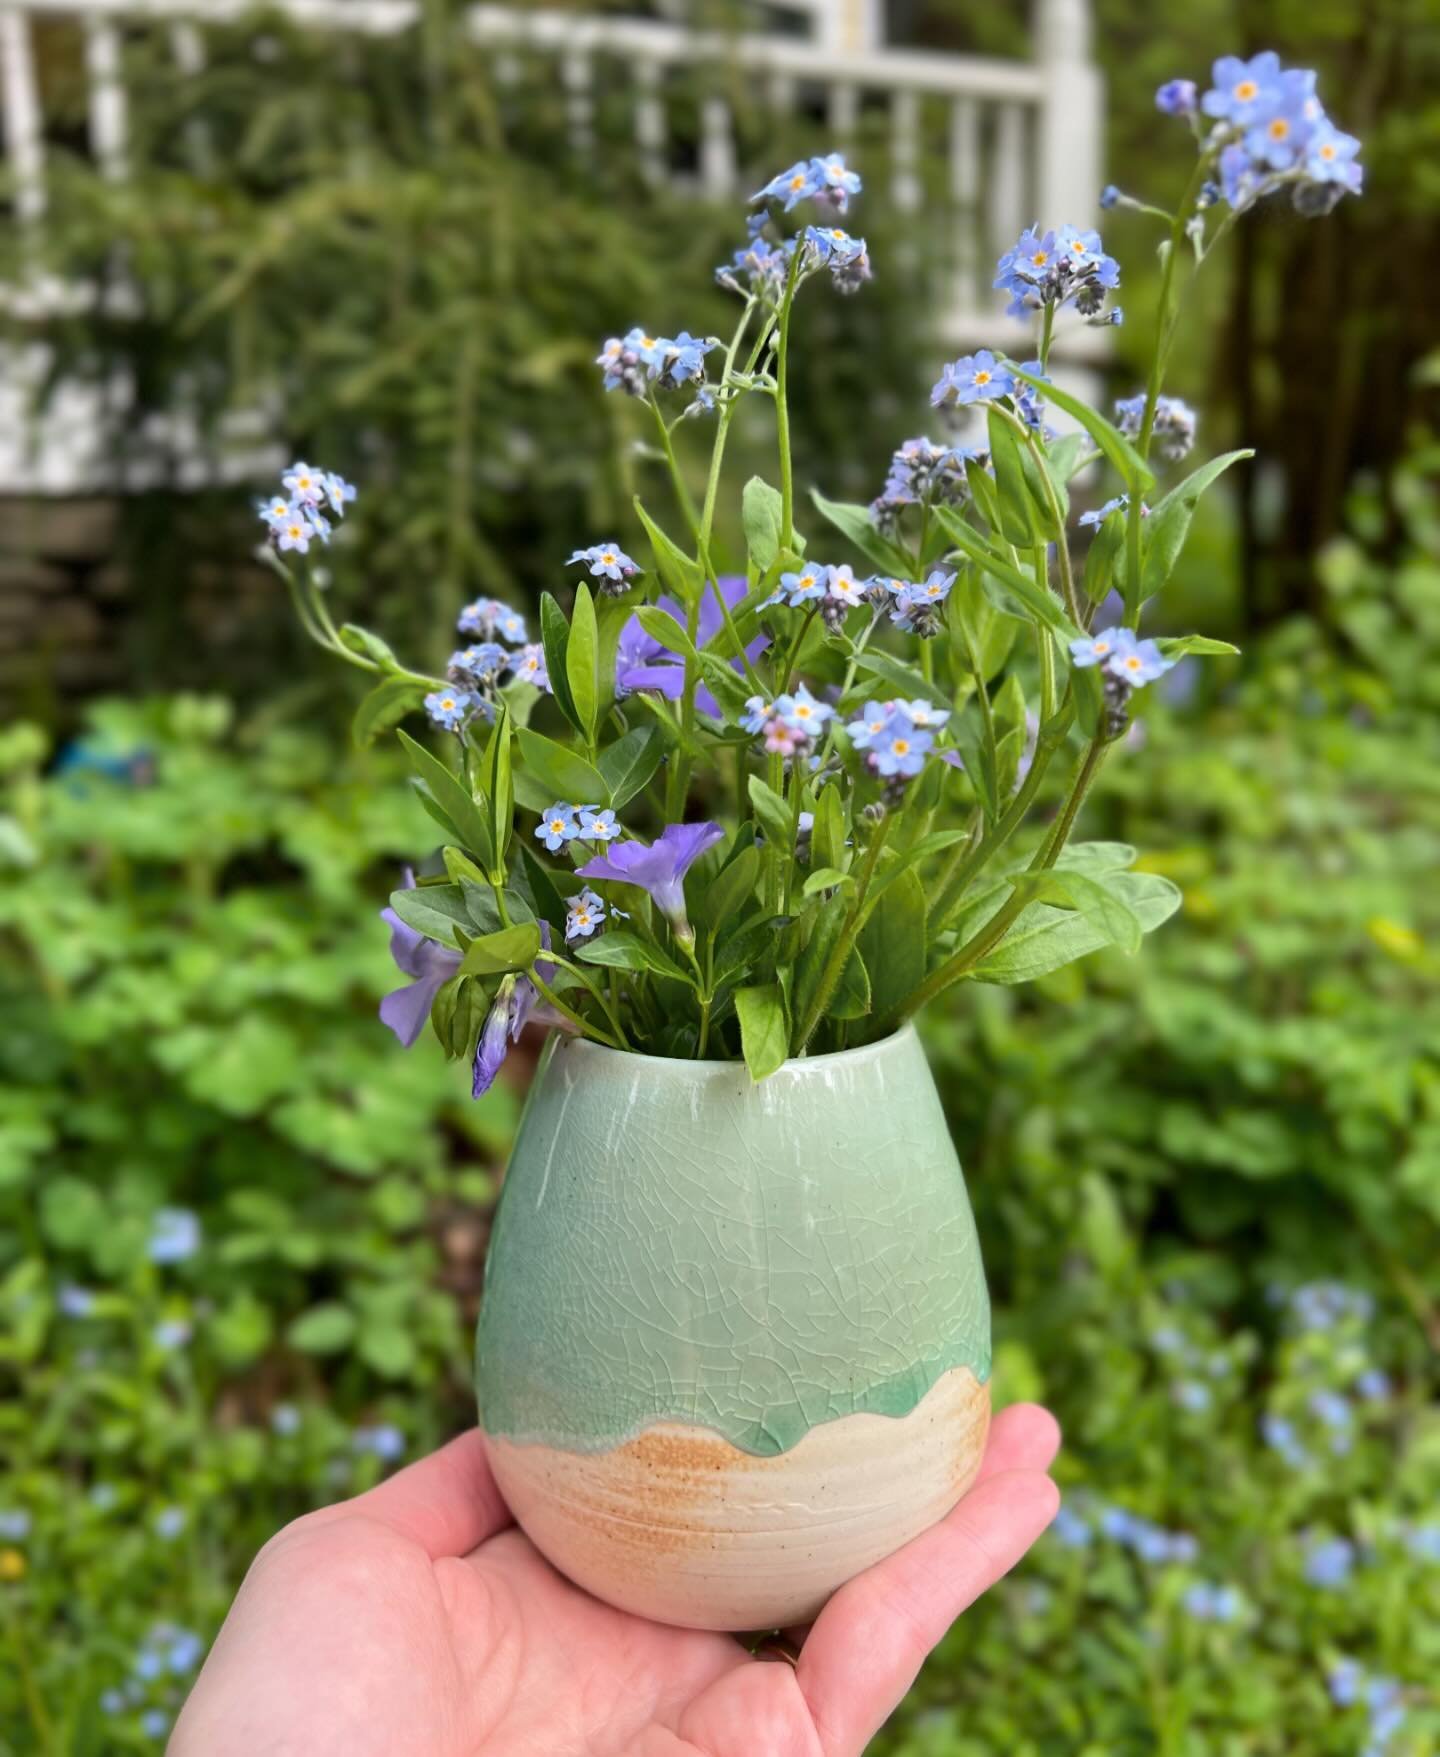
847,258
529,666
1193,1395
1101,648
384,1441
449,707
1278,138
305,483
1071,1530
923,713
557,826
294,531
103,1496
170,1522
1329,1561
872,725
1174,425
1177,97
677,360
1330,156
1110,195
1344,1680
285,1419
1423,1542
174,1235
113,1702
1097,515
1029,405
1280,1436
1051,268
1139,664
339,492
171,1333
1331,1408
607,560
585,912
155,1723
1321,1305
1242,89
597,824
480,663
488,617
970,379
1374,1385
1212,1604
791,187
801,712
75,1302
14,1524
757,712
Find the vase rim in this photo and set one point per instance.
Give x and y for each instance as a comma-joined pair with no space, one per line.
683,1064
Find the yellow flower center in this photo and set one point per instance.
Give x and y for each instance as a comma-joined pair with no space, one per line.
1327,151
1279,129
836,233
901,746
982,376
1133,662
557,824
447,702
798,180
1040,258
608,557
802,711
647,341
1102,648
1246,90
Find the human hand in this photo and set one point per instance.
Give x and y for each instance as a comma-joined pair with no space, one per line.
417,1621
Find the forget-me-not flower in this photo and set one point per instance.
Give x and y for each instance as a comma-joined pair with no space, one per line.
584,913
598,824
558,825
606,560
972,378
174,1235
449,707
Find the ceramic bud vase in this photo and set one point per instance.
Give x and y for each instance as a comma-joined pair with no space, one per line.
734,1343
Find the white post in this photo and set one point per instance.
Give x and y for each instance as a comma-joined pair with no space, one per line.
107,95
1069,148
24,140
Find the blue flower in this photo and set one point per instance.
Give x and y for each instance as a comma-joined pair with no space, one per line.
171,1333
170,1522
1098,515
481,663
659,867
847,258
1280,1436
75,1302
285,1419
902,748
113,1702
1423,1543
1173,427
1177,97
972,378
1212,1604
804,179
1139,663
801,712
1278,135
1194,1395
1344,1681
677,360
339,492
872,726
1049,268
449,707
514,1002
842,588
383,1441
837,182
805,587
14,1524
1110,195
1329,1562
923,713
607,560
1331,1408
529,666
917,607
557,826
757,712
155,1723
174,1235
294,530
1374,1385
1028,403
921,472
1241,89
184,1650
597,825
1071,1530
584,913
305,483
1330,156
488,617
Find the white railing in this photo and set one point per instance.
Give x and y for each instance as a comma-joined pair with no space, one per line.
988,144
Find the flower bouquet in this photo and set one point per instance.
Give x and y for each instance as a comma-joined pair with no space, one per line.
726,832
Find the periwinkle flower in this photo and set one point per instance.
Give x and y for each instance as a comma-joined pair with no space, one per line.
1212,1604
75,1302
171,1334
429,966
155,1723
510,1011
174,1235
1374,1385
1331,1408
1279,1435
643,663
1193,1395
285,1419
659,867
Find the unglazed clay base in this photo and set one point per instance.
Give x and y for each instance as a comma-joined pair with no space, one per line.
681,1526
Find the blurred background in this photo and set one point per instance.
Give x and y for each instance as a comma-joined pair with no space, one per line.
242,1234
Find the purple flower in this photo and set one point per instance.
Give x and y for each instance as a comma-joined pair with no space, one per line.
1177,97
509,1013
429,967
659,867
641,662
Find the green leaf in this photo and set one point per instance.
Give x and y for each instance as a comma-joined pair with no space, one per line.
1169,522
555,638
936,842
663,627
1020,519
893,943
728,687
1066,455
1178,646
496,954
674,566
905,678
386,703
772,814
449,801
1097,901
1111,441
827,835
370,646
434,910
851,999
731,888
569,778
826,878
618,949
764,1029
1036,601
324,1329
977,752
500,788
1105,548
855,523
760,506
544,898
627,765
1045,938
582,671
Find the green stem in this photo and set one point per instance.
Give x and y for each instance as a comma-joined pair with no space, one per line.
782,405
840,951
682,493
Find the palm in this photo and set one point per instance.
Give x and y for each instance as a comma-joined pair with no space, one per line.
416,1620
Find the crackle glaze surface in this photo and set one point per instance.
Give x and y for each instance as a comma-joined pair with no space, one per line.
676,1244
680,1526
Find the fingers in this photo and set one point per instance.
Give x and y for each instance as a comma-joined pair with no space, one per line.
870,1641
1023,1437
447,1503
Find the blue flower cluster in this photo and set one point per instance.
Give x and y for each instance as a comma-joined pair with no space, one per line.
789,724
635,361
383,1440
1054,267
980,377
897,736
764,263
561,823
167,1655
825,180
1275,132
475,672
1173,427
1208,1603
1382,1698
298,516
923,473
1122,655
608,563
847,258
584,913
1149,1543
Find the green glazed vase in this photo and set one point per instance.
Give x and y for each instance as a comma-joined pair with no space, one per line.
734,1345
